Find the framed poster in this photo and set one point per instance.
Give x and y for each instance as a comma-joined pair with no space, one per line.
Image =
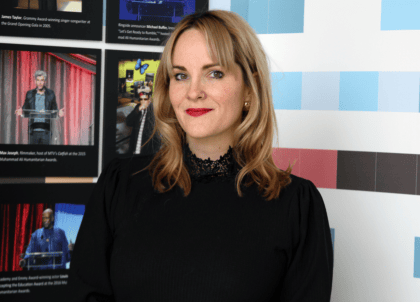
147,22
39,227
61,19
49,108
129,118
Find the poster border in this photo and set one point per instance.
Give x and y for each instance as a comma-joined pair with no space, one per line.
112,57
113,22
78,194
47,25
83,166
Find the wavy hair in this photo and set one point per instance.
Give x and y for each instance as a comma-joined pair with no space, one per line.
41,73
230,41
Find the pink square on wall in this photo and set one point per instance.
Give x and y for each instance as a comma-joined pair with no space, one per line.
284,156
319,166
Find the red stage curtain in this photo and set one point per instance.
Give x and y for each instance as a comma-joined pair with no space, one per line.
18,223
5,239
72,82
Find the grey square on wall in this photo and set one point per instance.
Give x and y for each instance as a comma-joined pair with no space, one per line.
356,170
396,173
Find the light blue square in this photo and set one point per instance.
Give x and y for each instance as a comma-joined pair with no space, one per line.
400,14
258,15
240,7
285,16
287,90
416,257
359,91
320,90
220,4
399,91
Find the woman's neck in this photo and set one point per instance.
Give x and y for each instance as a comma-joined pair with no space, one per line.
206,148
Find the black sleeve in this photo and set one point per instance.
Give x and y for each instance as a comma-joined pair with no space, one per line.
310,272
133,117
53,102
90,265
26,104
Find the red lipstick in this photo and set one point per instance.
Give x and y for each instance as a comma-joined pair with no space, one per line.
197,111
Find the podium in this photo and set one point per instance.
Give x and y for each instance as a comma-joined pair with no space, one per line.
40,126
44,260
46,114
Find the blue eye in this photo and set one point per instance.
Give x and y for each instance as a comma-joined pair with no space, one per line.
180,76
217,74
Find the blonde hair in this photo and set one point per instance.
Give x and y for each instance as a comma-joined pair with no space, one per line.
230,41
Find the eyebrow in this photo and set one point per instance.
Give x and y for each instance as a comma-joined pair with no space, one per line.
204,67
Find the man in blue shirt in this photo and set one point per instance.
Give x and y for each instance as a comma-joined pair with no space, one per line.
48,248
39,100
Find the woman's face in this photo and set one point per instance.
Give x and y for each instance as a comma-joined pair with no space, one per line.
208,100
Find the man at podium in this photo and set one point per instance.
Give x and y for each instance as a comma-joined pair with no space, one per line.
40,106
48,248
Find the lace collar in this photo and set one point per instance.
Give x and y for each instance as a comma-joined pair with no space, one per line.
205,170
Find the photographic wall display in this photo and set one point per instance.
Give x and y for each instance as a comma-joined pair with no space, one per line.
147,22
39,228
61,19
129,118
49,108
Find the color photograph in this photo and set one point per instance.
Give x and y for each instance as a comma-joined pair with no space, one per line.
49,108
129,104
147,22
48,98
169,11
43,236
71,6
60,19
39,224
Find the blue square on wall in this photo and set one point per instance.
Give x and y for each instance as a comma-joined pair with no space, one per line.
416,257
287,90
271,16
320,90
258,15
241,7
400,15
399,91
359,91
285,16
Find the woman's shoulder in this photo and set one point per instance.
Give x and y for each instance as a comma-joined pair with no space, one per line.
120,179
127,166
301,190
119,173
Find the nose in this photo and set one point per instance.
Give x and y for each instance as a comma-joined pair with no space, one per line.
195,90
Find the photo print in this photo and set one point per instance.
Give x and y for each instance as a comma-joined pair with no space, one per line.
71,6
130,82
147,22
49,107
39,228
62,19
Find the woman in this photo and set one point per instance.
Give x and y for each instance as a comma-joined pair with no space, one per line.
209,217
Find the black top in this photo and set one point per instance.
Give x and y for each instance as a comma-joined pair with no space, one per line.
135,244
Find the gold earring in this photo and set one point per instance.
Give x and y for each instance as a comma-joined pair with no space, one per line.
247,105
